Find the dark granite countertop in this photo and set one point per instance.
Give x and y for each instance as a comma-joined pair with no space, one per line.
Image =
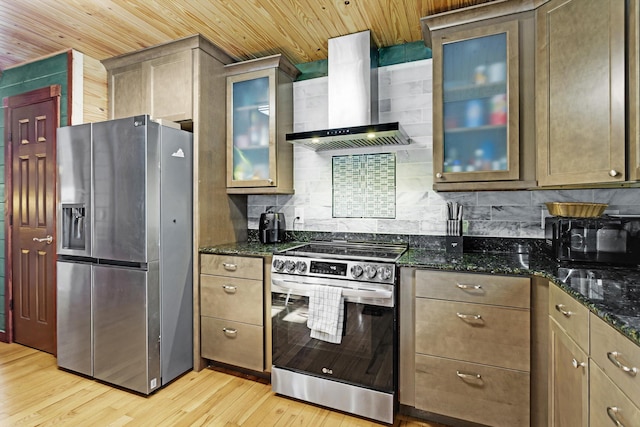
256,249
612,293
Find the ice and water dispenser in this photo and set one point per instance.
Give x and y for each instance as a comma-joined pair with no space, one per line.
74,226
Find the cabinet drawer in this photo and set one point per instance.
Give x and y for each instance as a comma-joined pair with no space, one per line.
229,298
232,266
571,315
240,345
491,335
608,404
471,287
473,392
618,356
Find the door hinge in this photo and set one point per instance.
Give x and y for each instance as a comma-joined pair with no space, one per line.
10,219
11,305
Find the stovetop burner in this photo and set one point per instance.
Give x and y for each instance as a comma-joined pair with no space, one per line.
364,251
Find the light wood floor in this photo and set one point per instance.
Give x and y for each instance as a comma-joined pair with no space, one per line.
34,392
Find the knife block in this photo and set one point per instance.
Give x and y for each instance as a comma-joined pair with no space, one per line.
454,244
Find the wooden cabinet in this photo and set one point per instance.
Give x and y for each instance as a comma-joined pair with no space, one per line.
580,92
158,81
483,100
184,81
568,380
633,104
593,368
472,347
615,385
232,311
608,405
259,114
568,360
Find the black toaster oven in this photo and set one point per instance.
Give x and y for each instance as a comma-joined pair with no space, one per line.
613,240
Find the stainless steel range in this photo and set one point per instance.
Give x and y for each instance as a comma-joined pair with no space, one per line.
342,354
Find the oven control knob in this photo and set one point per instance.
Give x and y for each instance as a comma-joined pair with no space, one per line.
356,271
278,264
370,271
289,266
301,266
384,272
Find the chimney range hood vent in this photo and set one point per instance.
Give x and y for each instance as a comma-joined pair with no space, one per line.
353,100
351,137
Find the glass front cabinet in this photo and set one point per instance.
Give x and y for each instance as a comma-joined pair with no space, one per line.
479,93
259,114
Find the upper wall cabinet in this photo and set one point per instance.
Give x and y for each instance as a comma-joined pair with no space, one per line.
483,100
633,105
157,81
162,86
259,114
580,92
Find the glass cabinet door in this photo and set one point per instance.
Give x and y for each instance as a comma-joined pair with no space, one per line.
251,129
476,89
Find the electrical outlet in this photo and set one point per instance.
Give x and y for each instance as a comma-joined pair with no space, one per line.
299,215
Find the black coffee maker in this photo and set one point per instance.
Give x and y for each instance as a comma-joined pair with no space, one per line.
272,227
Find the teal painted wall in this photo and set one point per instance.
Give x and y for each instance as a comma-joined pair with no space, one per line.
398,54
35,75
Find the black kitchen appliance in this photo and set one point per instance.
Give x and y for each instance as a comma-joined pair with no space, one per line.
358,373
272,227
613,240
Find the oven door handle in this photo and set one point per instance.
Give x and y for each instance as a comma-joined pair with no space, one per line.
303,289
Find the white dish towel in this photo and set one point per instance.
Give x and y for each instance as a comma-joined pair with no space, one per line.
326,313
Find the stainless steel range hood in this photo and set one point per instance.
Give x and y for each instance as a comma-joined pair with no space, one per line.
353,100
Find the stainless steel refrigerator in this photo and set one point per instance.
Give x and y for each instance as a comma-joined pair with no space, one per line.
124,265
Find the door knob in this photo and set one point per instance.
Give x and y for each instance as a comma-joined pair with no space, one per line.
48,240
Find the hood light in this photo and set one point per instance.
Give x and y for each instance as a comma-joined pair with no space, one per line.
315,140
371,135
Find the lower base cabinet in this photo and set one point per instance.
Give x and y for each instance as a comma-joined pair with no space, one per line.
473,392
608,405
471,345
568,380
233,343
614,398
232,307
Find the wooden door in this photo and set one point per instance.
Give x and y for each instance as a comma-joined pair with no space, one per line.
169,82
568,381
126,92
31,120
580,92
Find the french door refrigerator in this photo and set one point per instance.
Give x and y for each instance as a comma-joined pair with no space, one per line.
124,265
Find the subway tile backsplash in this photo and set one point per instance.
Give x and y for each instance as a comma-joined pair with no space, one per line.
405,95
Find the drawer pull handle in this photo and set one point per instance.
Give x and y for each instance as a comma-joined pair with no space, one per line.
230,289
468,287
467,376
561,309
229,267
612,412
614,358
230,332
577,364
469,316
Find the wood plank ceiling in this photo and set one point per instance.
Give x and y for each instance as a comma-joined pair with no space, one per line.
245,29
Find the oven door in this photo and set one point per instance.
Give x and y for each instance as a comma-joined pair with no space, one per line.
367,352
